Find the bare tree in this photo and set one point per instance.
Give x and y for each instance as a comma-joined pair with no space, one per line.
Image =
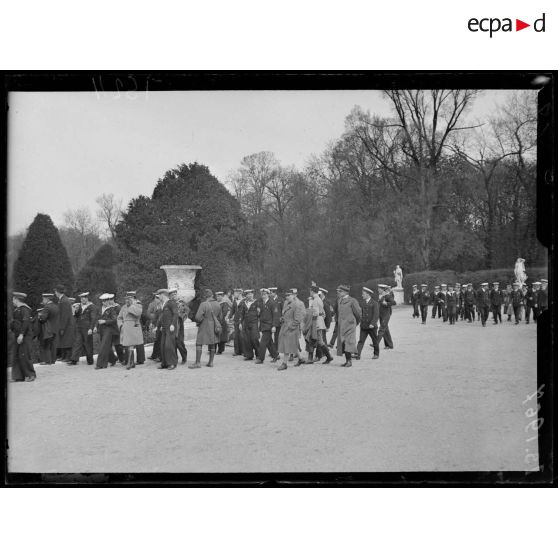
80,236
109,213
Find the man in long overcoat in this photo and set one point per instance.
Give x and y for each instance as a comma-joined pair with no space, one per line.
236,315
182,313
415,296
168,325
107,327
328,316
496,301
65,337
85,316
154,314
207,316
48,322
291,321
279,302
348,317
483,303
226,307
249,312
129,325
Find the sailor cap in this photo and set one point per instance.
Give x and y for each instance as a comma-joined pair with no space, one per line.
171,291
325,291
48,295
219,293
424,285
19,295
247,291
544,281
131,294
83,294
382,286
484,284
264,290
272,289
106,296
344,288
367,290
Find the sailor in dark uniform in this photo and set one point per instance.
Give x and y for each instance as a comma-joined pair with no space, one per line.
496,301
22,328
107,327
181,347
415,296
517,302
236,315
442,303
249,325
386,301
435,302
469,302
424,301
483,303
279,302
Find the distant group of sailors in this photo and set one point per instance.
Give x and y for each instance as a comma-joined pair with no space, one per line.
463,302
252,325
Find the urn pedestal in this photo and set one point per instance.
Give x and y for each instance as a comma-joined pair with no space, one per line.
182,278
398,295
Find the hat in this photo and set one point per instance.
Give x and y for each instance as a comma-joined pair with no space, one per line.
238,290
219,293
71,299
81,294
48,295
458,284
19,295
106,296
443,285
437,287
515,284
495,283
484,284
367,290
424,285
323,290
291,291
247,291
162,291
382,286
414,286
344,288
537,283
544,281
131,294
171,291
294,290
272,289
264,290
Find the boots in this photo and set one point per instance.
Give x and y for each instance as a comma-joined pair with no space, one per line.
310,359
131,363
326,352
211,356
198,358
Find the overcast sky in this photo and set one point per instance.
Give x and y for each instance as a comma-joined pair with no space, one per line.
65,149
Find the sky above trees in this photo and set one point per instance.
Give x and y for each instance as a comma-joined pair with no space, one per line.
66,149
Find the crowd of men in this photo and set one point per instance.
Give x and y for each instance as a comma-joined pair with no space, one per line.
252,326
463,302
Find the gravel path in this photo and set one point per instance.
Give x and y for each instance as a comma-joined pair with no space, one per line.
448,398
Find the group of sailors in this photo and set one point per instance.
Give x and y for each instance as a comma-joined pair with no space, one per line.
253,326
463,302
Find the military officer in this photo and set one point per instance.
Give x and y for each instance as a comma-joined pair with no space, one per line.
226,307
236,315
517,302
424,301
442,302
129,325
415,296
168,324
483,303
496,301
348,316
328,311
369,322
249,316
279,302
385,301
451,305
435,302
469,302
65,337
85,316
154,314
107,327
48,322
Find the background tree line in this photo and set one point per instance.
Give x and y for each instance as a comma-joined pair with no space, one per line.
425,188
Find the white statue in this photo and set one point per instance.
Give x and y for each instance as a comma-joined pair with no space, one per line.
398,275
520,275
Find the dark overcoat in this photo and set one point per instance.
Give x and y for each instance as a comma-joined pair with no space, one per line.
65,323
208,313
48,319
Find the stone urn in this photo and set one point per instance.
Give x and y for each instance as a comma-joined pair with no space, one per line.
182,277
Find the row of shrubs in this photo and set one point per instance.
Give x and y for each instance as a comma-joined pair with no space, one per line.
450,277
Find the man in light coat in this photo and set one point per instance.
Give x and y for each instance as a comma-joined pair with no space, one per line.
348,317
289,335
129,325
318,319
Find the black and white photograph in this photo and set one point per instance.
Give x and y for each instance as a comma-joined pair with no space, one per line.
339,277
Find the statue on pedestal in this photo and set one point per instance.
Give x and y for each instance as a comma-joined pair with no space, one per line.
519,271
398,276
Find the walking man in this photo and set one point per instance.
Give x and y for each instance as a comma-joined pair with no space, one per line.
424,301
48,322
249,325
291,320
483,303
65,337
369,323
385,302
129,325
348,317
496,301
269,321
21,327
415,296
86,316
168,324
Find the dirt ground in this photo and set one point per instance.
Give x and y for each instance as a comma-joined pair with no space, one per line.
448,398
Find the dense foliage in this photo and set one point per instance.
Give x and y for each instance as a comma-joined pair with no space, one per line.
42,261
98,275
191,218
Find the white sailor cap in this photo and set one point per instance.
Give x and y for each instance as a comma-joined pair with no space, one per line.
162,291
484,284
382,286
544,281
130,294
443,285
424,285
106,296
325,291
81,295
48,295
220,293
173,290
537,283
272,289
414,286
264,290
367,290
238,290
248,291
